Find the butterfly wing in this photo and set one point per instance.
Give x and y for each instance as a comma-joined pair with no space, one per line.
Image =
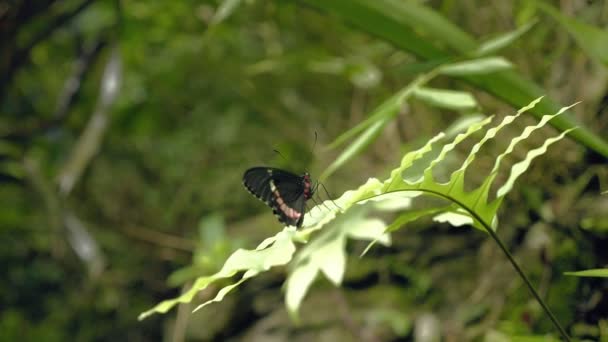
281,190
288,197
257,181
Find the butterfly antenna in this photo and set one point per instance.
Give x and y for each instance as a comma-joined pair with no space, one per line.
279,153
312,152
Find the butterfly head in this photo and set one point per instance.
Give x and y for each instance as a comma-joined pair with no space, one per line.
309,190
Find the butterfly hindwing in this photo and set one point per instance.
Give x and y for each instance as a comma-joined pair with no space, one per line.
285,192
288,197
290,213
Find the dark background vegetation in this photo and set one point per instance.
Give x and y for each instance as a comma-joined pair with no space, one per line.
105,192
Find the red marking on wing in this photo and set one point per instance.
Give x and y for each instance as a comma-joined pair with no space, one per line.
290,212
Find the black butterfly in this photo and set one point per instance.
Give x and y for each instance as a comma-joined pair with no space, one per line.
283,191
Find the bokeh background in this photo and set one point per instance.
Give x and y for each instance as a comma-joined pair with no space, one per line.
125,127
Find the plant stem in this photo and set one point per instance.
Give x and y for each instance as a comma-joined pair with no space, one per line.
521,273
525,279
504,249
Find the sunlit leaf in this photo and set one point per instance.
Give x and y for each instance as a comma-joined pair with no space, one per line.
297,286
225,9
476,66
598,272
454,218
279,252
498,43
443,98
327,253
462,123
388,109
399,222
475,201
519,168
366,138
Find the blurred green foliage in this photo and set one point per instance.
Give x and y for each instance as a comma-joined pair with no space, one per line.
206,93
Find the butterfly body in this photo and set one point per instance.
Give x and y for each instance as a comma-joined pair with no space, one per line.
286,193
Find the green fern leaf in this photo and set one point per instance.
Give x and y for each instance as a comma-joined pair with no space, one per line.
327,253
274,251
474,202
348,217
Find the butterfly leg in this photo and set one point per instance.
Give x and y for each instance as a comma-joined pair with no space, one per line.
327,193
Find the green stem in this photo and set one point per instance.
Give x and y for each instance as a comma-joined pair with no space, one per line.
504,249
521,273
525,279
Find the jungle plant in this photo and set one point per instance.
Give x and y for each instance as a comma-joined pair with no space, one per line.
328,226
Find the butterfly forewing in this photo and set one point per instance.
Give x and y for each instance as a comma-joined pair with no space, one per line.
257,181
285,192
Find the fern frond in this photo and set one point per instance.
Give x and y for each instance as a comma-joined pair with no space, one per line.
475,202
349,217
274,251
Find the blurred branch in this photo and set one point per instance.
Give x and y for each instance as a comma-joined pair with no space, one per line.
92,137
65,225
14,16
181,321
22,11
84,245
69,94
160,239
21,55
50,200
73,84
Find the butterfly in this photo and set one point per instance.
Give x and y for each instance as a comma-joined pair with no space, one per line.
286,193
